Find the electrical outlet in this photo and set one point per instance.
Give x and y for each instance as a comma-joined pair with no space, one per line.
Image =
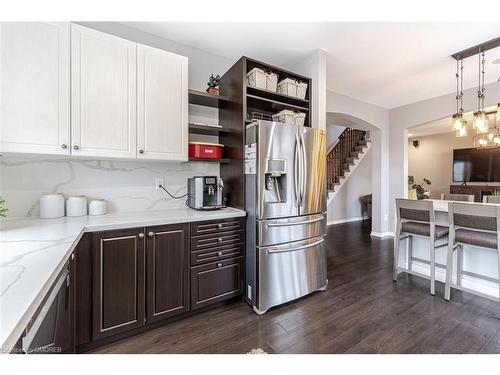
158,182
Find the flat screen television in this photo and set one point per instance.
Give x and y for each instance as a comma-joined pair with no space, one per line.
476,165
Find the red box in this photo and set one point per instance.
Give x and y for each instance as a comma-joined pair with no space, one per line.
205,150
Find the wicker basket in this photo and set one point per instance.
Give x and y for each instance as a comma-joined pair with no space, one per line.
288,87
301,90
300,118
287,116
257,78
272,82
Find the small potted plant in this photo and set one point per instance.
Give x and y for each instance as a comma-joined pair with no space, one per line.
3,209
213,85
418,189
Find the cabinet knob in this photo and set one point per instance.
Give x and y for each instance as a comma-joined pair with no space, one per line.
141,235
151,234
219,226
65,146
219,265
141,151
76,147
219,253
219,239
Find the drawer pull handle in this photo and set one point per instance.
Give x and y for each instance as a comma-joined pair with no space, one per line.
219,253
278,224
151,234
219,265
219,239
141,235
219,226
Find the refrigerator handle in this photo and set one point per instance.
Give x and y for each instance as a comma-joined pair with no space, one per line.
303,169
275,250
288,224
296,166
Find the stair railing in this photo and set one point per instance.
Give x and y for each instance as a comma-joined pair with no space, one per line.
341,150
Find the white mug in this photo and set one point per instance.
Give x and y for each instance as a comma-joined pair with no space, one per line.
51,206
76,206
97,207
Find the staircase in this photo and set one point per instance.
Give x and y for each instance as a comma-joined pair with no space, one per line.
343,158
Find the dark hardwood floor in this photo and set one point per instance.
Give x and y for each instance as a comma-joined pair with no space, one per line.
362,311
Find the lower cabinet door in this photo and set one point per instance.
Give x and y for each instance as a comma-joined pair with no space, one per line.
167,271
215,282
119,282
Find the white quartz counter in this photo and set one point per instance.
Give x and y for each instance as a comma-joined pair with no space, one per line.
33,252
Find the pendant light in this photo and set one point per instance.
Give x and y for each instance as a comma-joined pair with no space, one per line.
480,119
458,123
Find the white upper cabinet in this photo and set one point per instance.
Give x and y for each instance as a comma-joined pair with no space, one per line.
34,87
127,100
103,94
162,105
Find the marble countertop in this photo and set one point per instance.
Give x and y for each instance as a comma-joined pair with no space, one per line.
442,205
34,251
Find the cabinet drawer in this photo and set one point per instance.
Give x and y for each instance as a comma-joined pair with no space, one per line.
216,254
217,239
217,226
215,282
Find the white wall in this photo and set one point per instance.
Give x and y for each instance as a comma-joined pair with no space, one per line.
375,119
412,115
433,159
332,134
314,66
345,205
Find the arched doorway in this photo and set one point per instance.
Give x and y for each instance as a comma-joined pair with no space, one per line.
374,133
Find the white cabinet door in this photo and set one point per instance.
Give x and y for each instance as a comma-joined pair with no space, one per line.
162,109
103,94
34,87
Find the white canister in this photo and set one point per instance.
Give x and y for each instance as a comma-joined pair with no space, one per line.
76,206
97,207
51,206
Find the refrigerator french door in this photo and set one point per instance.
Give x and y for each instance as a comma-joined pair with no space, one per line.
285,184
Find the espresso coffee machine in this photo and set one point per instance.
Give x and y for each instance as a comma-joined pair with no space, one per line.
205,192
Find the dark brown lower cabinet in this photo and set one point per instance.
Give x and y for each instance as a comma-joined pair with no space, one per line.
118,282
215,282
167,271
127,279
83,290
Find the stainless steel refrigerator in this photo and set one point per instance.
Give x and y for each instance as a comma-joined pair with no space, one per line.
285,200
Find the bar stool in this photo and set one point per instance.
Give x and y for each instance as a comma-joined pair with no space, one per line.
491,199
457,197
478,227
417,218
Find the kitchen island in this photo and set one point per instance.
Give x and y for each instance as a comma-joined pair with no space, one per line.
34,252
479,265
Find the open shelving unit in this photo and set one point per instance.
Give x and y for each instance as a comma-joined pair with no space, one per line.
206,99
213,101
234,117
204,160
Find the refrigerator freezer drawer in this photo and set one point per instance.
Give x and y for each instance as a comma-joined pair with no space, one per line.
291,229
290,271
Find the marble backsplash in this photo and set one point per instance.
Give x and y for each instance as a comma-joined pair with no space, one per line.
126,185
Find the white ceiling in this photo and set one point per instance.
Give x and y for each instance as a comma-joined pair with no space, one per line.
388,64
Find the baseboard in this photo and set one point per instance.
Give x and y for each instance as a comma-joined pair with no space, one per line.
340,221
382,234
